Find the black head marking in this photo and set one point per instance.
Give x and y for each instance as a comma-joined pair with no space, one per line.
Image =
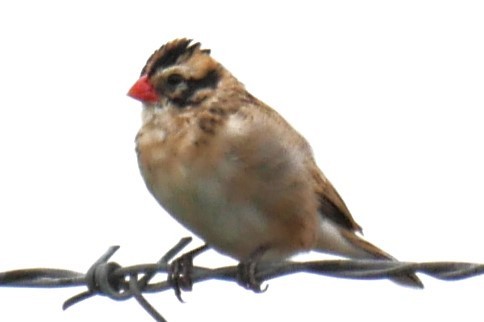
169,54
193,85
182,89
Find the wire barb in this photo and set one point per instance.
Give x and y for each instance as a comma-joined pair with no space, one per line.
120,283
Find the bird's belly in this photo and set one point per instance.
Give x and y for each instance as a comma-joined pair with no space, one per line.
233,227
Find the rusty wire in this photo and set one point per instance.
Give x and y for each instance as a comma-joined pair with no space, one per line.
120,283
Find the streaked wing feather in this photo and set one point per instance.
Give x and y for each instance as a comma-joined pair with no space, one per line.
332,205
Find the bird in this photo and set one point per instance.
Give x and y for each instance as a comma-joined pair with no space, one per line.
232,170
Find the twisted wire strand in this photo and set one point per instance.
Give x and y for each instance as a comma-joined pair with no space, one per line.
120,283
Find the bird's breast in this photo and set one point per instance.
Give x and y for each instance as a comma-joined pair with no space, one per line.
194,185
236,189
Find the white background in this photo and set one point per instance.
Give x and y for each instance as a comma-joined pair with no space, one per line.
390,95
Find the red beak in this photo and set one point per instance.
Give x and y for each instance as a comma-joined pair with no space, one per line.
143,91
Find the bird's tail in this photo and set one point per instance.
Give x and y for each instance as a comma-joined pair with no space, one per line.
346,243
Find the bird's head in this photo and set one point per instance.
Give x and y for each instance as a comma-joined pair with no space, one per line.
180,74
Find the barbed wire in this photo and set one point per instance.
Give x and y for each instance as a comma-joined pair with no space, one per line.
121,283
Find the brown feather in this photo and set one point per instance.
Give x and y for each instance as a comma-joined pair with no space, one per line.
331,204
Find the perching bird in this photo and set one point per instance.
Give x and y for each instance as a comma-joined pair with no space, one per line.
232,170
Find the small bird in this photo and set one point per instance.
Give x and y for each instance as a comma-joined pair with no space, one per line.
232,170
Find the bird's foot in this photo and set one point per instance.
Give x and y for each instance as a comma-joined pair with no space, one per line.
180,273
246,272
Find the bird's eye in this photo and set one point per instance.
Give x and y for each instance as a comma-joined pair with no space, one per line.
174,80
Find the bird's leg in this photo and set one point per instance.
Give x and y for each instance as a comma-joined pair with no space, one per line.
247,269
180,271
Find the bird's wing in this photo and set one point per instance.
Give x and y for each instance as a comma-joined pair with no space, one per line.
331,205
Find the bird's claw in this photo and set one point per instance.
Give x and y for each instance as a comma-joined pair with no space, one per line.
246,276
180,275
